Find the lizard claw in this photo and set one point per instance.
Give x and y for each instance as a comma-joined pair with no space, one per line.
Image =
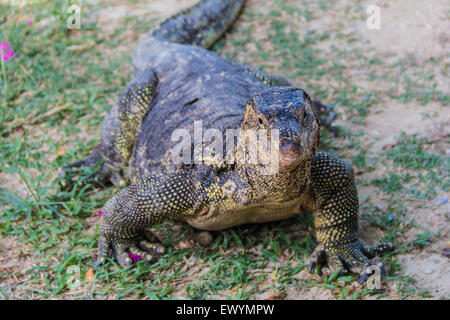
144,247
353,257
317,258
320,257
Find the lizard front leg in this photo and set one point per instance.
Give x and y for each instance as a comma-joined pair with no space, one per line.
127,217
336,219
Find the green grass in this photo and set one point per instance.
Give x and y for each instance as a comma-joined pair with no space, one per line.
53,67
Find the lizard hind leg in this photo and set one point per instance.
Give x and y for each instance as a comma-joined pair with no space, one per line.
326,115
121,124
101,171
119,132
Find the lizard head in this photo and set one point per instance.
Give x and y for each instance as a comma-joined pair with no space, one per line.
289,111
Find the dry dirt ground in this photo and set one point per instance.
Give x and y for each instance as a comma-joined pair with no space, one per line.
413,33
419,30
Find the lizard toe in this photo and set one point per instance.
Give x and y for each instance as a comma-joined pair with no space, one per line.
152,247
136,254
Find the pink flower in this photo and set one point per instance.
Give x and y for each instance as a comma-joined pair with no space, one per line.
30,22
100,213
7,54
135,257
4,45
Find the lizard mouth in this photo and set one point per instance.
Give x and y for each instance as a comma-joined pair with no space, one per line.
290,156
289,160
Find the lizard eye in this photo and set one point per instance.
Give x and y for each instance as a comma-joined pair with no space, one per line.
260,121
305,119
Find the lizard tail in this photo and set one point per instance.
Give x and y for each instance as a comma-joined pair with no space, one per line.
201,25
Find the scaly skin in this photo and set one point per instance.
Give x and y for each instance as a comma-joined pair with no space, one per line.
178,80
336,220
200,25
